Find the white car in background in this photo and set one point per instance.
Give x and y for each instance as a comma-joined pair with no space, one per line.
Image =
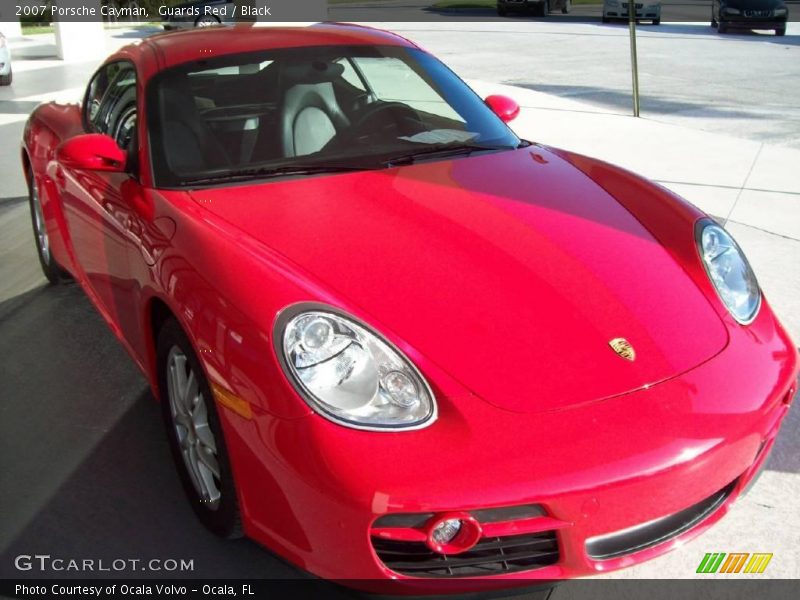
5,61
646,10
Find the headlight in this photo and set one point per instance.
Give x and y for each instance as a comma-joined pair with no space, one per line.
780,12
612,3
350,374
729,271
732,11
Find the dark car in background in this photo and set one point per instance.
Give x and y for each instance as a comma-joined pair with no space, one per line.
539,8
199,13
749,14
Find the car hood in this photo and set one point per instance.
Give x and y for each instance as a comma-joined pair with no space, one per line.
512,271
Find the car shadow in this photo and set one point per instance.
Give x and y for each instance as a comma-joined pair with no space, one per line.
85,469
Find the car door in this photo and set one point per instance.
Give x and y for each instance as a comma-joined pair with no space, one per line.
97,215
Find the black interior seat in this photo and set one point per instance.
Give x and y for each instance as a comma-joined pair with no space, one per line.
190,144
310,115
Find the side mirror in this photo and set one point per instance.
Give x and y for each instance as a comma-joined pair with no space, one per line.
503,106
92,152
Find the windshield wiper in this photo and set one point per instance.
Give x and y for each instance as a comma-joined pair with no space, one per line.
269,172
439,151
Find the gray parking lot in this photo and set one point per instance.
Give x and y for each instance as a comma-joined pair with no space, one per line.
744,84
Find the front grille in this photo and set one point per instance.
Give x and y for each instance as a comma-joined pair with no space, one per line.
490,556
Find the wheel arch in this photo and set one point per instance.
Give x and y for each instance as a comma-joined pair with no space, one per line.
157,313
27,166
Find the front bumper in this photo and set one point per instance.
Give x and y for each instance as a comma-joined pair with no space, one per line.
743,22
596,470
643,11
5,62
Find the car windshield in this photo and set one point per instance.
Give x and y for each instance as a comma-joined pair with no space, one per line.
308,110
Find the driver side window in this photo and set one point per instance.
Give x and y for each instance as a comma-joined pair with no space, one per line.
110,105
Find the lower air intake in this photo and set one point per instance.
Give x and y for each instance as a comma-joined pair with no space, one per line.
490,556
655,532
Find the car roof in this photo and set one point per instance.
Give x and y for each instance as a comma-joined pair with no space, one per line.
178,47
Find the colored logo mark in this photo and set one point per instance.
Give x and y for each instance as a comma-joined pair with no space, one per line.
735,562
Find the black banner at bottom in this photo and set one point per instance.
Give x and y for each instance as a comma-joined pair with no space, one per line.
584,589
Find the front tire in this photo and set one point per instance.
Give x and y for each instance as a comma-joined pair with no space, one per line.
51,269
7,79
566,7
722,27
780,31
195,434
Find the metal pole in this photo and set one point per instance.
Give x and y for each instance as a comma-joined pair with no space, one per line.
634,62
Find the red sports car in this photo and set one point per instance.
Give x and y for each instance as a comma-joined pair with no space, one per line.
393,341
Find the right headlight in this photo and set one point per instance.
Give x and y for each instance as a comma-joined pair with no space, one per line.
350,374
729,271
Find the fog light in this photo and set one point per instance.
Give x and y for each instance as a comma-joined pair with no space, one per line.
446,531
452,533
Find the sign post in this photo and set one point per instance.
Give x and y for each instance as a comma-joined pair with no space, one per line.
634,62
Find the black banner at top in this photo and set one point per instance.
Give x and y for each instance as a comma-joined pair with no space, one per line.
754,14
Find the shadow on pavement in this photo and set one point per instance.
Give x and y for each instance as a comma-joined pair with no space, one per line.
85,470
621,100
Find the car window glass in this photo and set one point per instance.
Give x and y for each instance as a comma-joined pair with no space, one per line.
233,70
393,80
345,105
349,74
111,102
118,109
97,89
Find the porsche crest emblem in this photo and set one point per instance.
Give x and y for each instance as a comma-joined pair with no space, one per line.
623,348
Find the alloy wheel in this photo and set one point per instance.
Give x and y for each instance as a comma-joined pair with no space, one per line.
39,225
190,420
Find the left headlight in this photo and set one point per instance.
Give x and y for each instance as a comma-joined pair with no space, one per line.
350,374
729,271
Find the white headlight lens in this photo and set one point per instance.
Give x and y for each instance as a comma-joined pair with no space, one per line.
352,376
730,273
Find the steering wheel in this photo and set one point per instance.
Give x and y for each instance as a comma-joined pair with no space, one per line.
402,114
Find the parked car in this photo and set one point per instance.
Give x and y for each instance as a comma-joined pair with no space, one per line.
392,341
749,14
6,74
540,8
648,10
199,13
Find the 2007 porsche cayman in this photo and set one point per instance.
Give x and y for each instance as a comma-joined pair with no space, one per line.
391,339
